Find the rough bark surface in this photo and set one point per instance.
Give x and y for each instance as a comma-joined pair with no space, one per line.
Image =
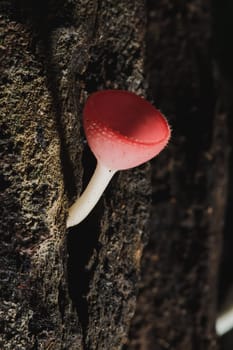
78,289
176,307
80,292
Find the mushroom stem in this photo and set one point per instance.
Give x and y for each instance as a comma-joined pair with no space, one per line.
86,202
224,322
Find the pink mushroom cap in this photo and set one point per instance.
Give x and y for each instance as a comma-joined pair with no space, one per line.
123,130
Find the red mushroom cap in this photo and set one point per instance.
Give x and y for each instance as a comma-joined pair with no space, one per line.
123,130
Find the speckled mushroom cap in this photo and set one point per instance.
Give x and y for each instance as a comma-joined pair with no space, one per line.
123,130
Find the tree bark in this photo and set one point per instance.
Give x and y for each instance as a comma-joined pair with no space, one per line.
76,289
177,303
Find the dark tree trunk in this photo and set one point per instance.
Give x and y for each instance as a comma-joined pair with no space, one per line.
77,288
57,292
176,307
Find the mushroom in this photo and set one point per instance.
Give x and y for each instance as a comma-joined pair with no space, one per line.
224,322
123,131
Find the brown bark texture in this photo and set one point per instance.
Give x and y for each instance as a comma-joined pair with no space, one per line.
177,302
96,286
59,289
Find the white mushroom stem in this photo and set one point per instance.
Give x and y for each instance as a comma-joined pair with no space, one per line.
86,202
224,322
